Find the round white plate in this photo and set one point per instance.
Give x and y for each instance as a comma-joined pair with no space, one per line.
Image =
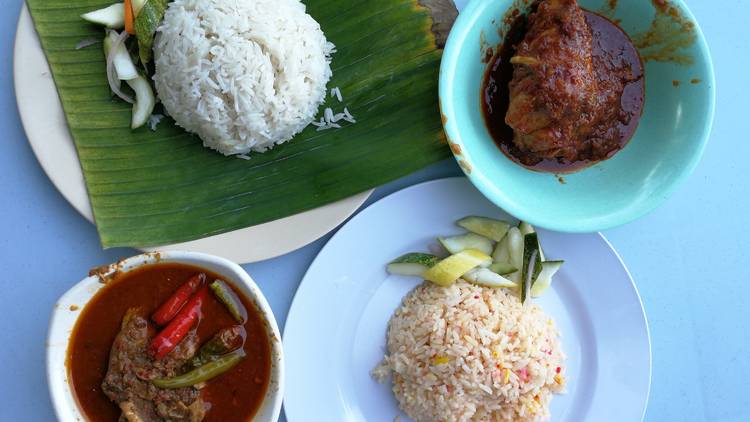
335,331
44,122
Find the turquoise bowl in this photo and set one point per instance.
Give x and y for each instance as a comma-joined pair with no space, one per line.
666,147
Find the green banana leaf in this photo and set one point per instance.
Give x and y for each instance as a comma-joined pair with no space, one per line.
150,188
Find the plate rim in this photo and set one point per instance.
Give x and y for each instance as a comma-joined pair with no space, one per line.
295,298
236,245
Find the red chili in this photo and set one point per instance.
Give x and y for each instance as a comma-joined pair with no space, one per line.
557,370
172,306
173,333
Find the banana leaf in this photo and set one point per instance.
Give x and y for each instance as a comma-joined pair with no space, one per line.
150,188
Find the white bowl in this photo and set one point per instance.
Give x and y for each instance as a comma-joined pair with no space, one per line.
68,308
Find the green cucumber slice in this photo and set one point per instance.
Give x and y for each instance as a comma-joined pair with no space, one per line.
485,277
137,6
527,228
112,17
447,271
144,101
456,244
515,253
487,227
148,19
501,253
503,268
412,264
124,66
532,264
544,279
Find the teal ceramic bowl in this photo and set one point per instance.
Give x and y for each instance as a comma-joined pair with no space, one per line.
666,147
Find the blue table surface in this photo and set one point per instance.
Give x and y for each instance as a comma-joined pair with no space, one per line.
685,257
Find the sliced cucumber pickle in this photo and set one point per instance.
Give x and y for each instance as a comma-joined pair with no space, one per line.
487,278
487,227
544,279
532,264
412,264
121,60
515,252
144,101
501,252
456,244
526,228
112,17
447,271
503,268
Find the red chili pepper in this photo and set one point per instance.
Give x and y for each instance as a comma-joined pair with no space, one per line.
173,333
558,370
169,309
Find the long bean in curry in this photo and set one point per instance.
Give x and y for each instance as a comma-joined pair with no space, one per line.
225,341
203,373
230,300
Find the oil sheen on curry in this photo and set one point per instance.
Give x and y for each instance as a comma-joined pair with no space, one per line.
169,342
565,90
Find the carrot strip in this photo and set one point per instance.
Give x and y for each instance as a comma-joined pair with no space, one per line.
129,21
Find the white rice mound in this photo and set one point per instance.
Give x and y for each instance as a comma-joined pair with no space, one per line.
468,353
243,75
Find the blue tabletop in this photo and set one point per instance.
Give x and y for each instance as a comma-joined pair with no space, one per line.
685,257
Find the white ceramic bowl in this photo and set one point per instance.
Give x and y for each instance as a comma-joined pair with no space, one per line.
68,308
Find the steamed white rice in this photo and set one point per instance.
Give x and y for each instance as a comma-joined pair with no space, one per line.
243,75
468,353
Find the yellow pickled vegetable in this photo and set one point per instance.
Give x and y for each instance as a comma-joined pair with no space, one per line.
447,271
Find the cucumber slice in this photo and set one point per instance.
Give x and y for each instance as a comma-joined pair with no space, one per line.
503,268
487,227
456,244
544,279
501,253
137,6
144,101
112,17
532,264
485,277
515,252
124,66
447,271
527,228
412,264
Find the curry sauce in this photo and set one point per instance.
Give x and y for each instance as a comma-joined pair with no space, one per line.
233,396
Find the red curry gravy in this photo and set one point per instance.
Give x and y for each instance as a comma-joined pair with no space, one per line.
611,47
234,396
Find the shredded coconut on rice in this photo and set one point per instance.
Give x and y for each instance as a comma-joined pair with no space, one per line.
465,352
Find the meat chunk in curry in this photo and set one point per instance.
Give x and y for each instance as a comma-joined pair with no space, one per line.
565,93
131,369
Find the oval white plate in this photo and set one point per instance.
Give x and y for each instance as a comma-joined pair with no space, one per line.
44,122
335,331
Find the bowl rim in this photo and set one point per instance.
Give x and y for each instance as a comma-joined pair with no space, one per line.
586,223
64,318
